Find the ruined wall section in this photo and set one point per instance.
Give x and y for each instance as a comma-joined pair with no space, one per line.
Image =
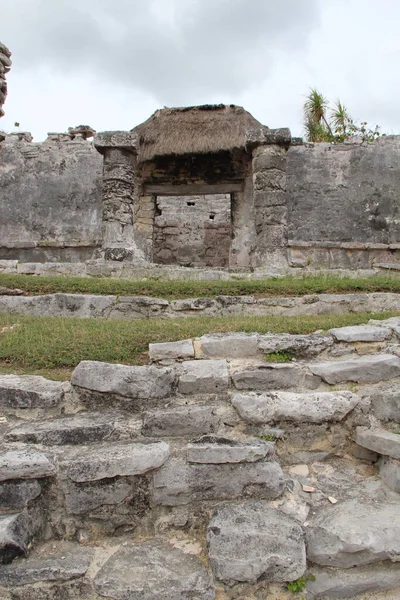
50,198
5,65
193,230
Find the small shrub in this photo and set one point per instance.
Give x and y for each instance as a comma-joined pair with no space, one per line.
299,585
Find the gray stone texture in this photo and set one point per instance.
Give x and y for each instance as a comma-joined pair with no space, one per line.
16,494
17,531
181,421
267,377
29,391
379,441
171,350
153,570
25,463
100,462
204,377
132,382
217,450
252,541
348,583
311,407
389,470
297,345
354,533
366,369
386,403
361,333
226,345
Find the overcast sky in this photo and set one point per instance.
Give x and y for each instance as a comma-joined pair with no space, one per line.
111,63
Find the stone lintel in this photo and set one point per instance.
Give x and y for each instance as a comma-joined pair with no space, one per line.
125,140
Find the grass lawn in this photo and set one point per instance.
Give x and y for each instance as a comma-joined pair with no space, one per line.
274,286
53,346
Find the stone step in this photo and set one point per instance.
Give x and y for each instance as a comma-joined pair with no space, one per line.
81,428
361,333
30,391
379,441
366,369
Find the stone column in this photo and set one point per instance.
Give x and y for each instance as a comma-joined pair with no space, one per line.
270,205
119,180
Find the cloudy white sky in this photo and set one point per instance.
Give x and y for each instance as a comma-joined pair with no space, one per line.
111,63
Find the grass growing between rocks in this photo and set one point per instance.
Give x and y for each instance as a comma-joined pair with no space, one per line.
274,286
53,346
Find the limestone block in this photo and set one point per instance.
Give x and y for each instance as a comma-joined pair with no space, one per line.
386,403
204,377
227,345
181,421
251,541
311,407
348,583
81,305
379,441
16,533
8,266
72,563
354,533
361,333
15,495
389,470
179,482
298,345
269,197
216,450
25,464
100,462
132,382
366,369
171,350
267,377
30,391
160,571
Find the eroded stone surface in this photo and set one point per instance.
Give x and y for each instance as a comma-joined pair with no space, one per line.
132,382
366,369
216,450
227,345
379,441
361,333
154,570
180,421
16,533
389,470
251,540
298,345
204,377
312,407
15,494
25,464
171,350
29,391
267,377
354,533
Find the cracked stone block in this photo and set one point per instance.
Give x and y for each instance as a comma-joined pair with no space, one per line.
354,533
311,407
252,541
298,345
366,369
16,494
204,377
267,377
25,464
217,450
379,441
227,345
153,570
30,391
16,533
94,463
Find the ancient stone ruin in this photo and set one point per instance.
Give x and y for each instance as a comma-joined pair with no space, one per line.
5,65
205,187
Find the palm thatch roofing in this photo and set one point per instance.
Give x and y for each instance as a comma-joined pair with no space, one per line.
196,130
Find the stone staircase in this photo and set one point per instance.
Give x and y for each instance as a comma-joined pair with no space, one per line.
210,473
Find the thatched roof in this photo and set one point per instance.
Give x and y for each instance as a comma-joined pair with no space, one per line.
196,130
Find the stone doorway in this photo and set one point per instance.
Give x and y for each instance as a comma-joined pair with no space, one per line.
193,231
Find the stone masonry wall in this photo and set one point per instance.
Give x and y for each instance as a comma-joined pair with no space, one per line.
193,230
5,65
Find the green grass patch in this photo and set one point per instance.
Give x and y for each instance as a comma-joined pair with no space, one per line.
54,343
274,286
281,357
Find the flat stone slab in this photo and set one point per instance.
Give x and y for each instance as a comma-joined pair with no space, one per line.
30,391
366,369
298,345
15,495
180,421
179,482
361,333
57,567
251,540
227,345
386,403
354,533
217,450
82,428
204,377
154,570
171,350
25,464
310,407
347,583
267,377
94,463
16,532
379,441
131,382
389,470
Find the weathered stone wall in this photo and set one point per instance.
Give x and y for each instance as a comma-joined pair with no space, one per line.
193,230
50,198
5,65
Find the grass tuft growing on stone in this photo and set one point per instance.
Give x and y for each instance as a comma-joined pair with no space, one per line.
274,286
46,345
